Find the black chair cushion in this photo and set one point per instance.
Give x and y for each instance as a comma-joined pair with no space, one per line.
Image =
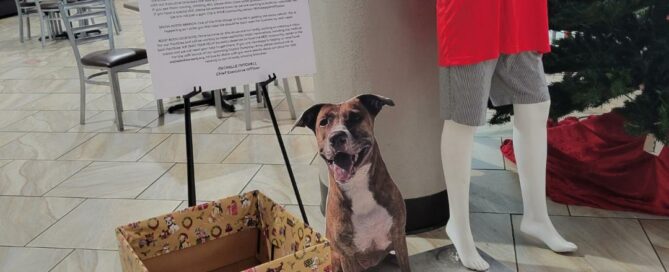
26,4
113,58
49,5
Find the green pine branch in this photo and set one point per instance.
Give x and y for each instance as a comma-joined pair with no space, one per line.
617,48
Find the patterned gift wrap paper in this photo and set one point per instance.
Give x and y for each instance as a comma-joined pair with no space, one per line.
294,245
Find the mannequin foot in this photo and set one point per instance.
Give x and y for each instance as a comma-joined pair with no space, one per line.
469,256
545,231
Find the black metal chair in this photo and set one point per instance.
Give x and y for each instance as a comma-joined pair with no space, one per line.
82,28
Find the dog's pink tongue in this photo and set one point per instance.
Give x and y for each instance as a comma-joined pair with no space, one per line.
341,174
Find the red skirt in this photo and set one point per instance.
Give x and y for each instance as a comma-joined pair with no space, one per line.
472,31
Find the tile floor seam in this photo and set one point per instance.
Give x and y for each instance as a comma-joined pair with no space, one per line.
127,132
87,118
61,260
70,160
489,169
139,108
278,103
225,119
232,150
155,146
75,248
616,217
222,119
153,182
55,222
64,216
311,162
180,203
198,133
149,123
98,112
9,161
151,199
143,89
114,129
251,179
48,110
513,238
95,113
10,124
75,147
652,245
94,198
69,177
19,137
49,132
146,106
651,219
35,196
510,213
100,198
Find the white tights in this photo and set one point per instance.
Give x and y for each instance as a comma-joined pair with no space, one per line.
530,146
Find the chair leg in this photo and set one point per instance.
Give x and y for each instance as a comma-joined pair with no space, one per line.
258,94
42,29
21,25
261,97
59,25
116,22
247,106
82,98
116,98
51,26
161,107
28,25
218,103
289,99
299,84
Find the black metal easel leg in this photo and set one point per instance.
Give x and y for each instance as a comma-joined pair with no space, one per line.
190,164
263,88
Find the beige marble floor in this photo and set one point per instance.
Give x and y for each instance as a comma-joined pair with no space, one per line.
64,186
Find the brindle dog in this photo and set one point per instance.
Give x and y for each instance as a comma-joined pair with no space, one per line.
365,211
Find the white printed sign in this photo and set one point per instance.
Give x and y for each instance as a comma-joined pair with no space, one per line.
220,43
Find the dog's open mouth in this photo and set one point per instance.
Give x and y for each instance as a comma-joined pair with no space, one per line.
343,165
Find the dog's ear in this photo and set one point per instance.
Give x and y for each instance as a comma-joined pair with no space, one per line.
308,118
374,103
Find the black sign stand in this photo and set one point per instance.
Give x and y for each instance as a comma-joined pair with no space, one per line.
192,199
190,162
268,103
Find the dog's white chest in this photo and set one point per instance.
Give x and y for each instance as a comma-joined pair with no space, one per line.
372,230
371,222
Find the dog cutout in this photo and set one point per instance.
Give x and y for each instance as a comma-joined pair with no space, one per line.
365,212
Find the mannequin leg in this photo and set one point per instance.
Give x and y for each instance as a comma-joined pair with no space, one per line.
530,146
456,152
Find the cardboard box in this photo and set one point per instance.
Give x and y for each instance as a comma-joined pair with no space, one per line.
248,232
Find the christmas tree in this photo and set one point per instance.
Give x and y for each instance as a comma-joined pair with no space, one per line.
615,48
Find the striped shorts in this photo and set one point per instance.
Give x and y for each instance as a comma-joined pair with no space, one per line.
509,79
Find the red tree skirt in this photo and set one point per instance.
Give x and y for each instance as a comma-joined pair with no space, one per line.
593,162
